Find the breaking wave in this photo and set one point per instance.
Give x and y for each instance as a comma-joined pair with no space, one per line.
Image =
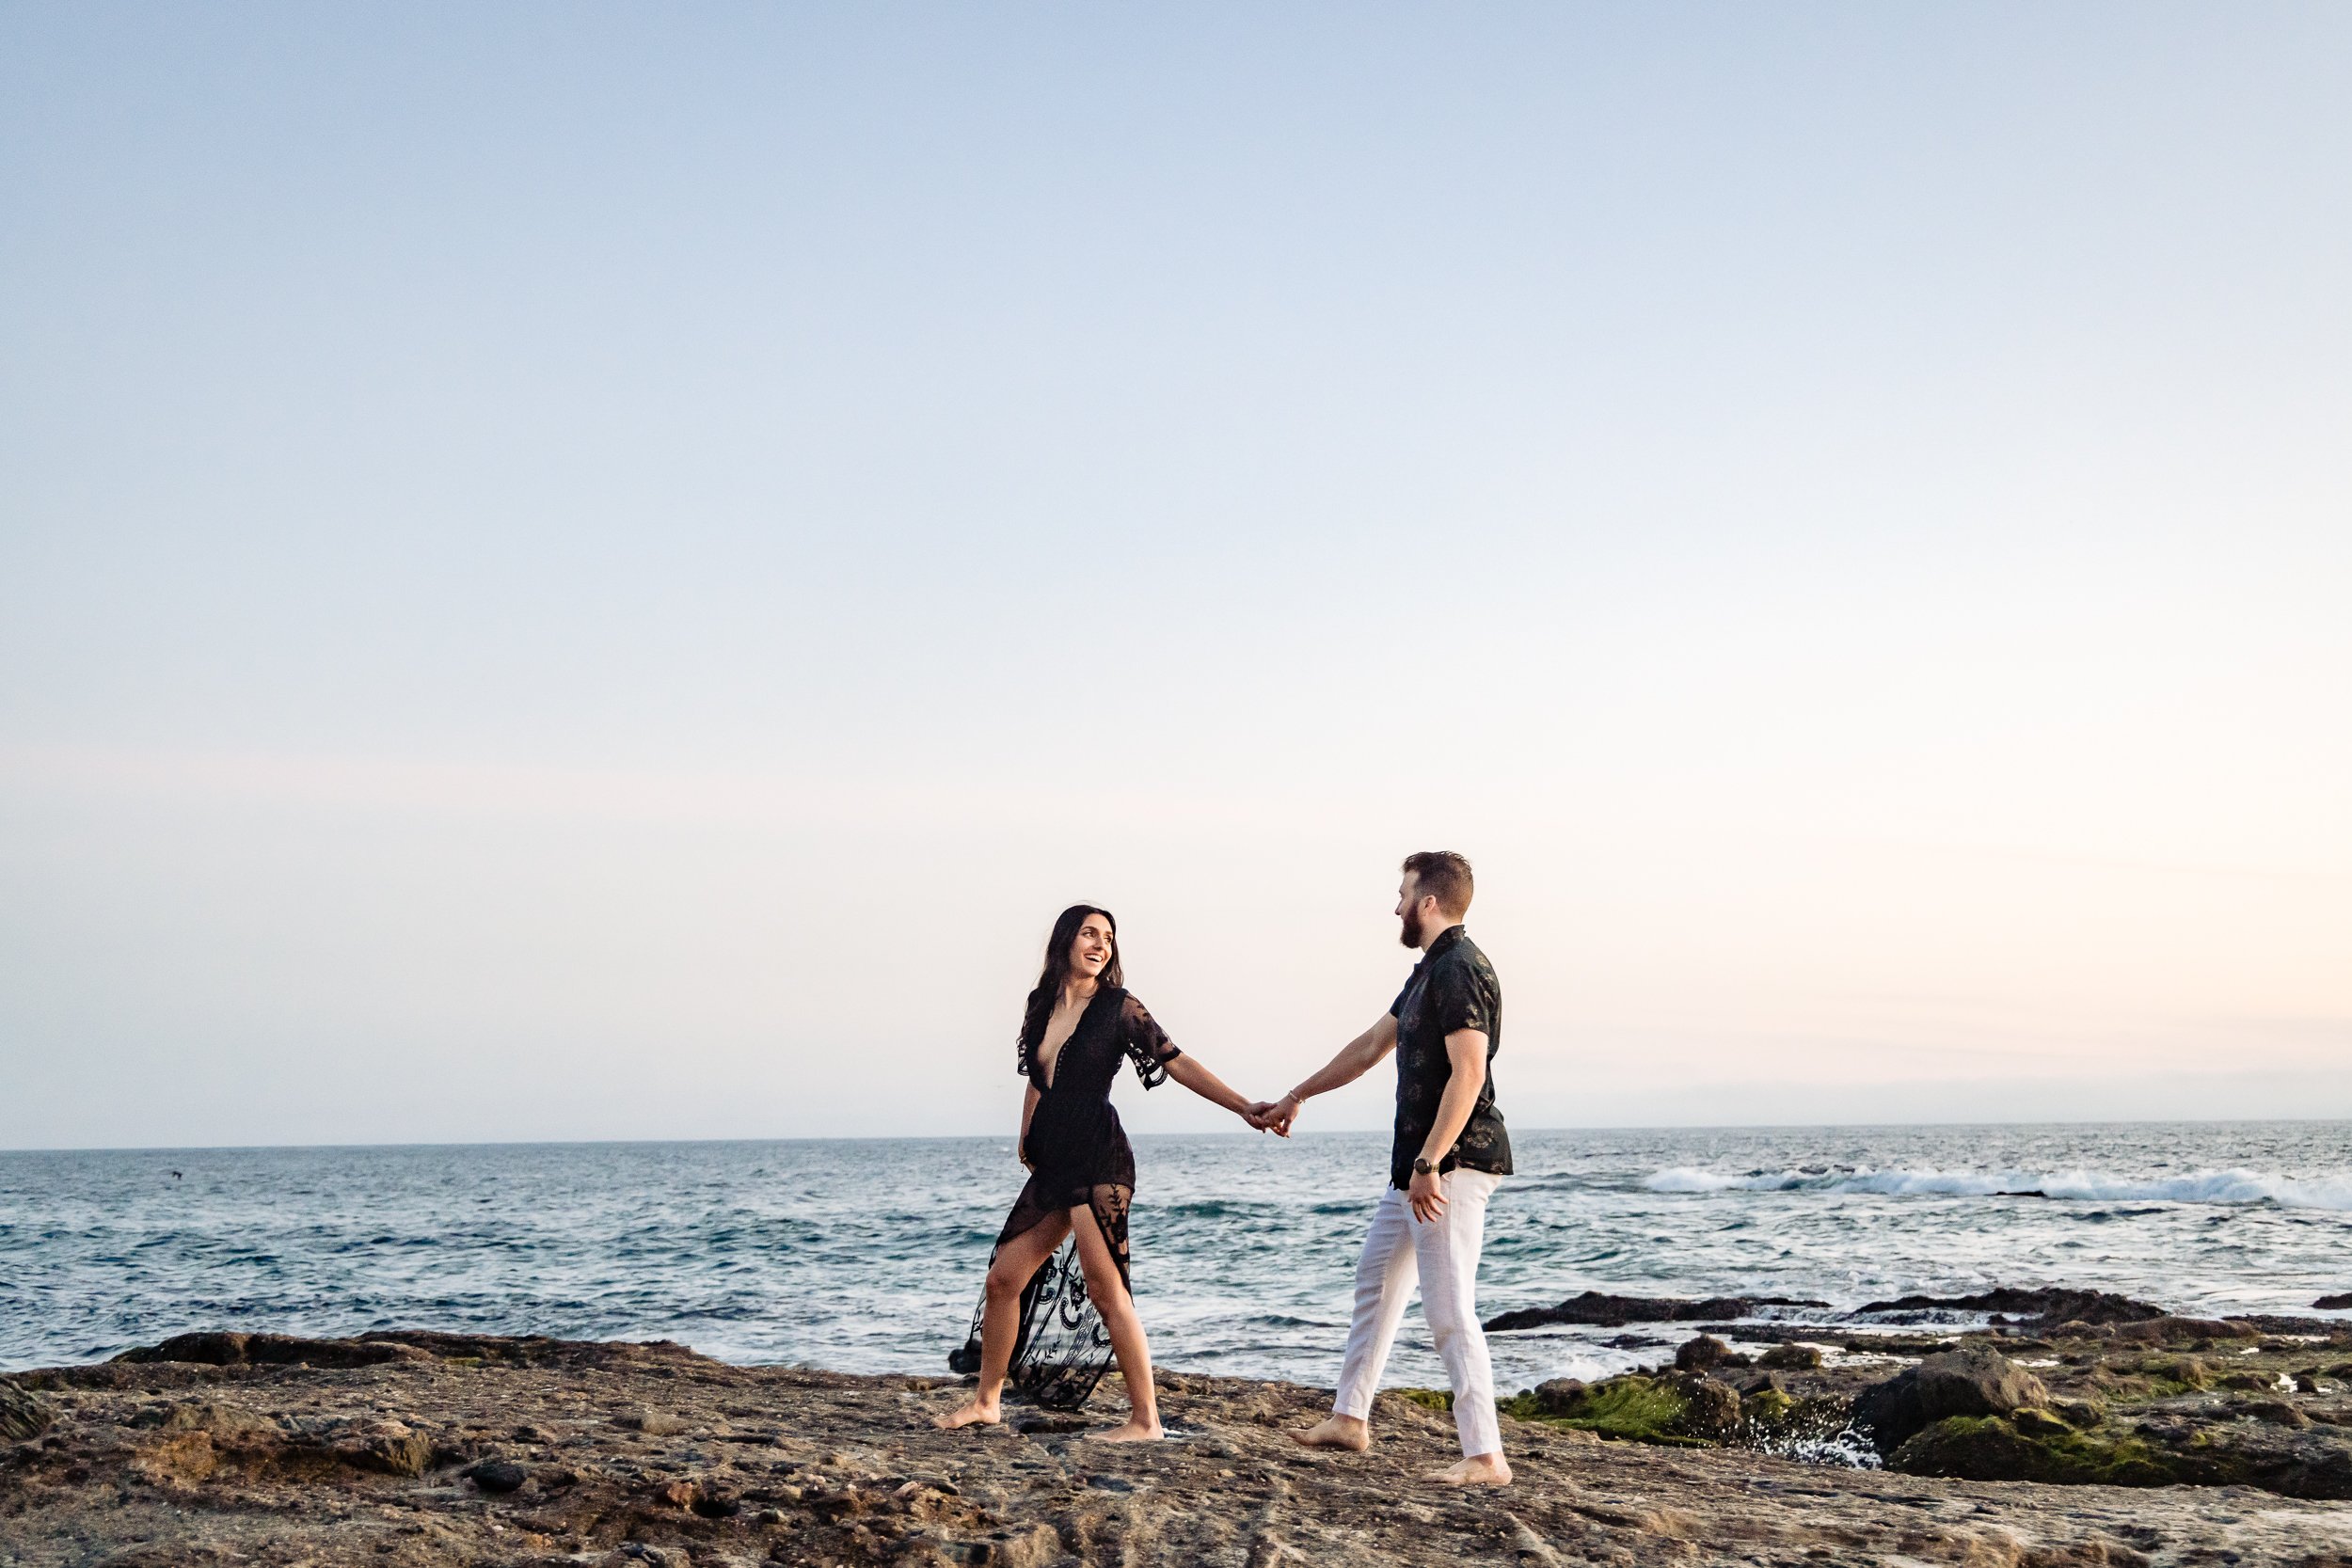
2204,1186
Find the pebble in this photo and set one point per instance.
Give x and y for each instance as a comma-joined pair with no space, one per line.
653,1423
497,1476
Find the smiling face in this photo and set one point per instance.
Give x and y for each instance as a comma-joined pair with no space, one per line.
1091,948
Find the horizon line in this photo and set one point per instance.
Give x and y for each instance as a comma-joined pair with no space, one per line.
1318,1132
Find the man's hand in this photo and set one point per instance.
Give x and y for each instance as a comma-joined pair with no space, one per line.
1274,1115
1426,1196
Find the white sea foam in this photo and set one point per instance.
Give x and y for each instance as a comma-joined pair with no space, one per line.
2204,1186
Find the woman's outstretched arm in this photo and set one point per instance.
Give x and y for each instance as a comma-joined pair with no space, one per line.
1188,1071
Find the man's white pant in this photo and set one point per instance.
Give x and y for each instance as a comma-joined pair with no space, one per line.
1443,1254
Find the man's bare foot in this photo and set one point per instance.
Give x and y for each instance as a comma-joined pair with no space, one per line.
1133,1430
1485,1469
1336,1431
977,1413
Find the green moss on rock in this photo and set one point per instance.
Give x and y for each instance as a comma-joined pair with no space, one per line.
1990,1448
1634,1408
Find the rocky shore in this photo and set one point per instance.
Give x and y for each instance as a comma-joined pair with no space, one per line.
425,1448
2061,1387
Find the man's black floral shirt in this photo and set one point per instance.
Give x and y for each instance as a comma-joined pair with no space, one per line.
1454,987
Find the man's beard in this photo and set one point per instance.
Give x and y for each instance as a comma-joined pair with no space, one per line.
1411,935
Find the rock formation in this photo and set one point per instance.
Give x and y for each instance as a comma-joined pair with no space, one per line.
530,1453
1607,1311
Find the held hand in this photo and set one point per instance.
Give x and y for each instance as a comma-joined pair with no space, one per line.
1273,1115
1426,1196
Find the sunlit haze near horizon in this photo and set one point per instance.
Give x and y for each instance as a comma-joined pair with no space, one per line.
581,571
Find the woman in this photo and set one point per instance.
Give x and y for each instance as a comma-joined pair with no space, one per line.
1080,1025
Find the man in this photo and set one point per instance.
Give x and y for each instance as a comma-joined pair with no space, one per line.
1450,1151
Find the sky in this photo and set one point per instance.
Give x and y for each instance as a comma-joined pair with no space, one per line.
583,571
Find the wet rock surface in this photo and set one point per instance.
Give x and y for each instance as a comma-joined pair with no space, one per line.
2041,1305
1974,1380
2197,1403
540,1452
1594,1309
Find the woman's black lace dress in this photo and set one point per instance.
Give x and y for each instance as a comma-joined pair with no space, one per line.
1078,1158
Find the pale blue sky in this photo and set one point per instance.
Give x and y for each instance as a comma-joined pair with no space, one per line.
589,571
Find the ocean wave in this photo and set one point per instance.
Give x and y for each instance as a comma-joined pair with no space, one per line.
2237,1187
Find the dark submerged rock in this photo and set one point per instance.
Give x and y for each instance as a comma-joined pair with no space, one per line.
1596,1309
273,1349
2333,1303
2175,1331
2050,1306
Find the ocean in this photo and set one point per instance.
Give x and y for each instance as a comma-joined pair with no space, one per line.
866,1255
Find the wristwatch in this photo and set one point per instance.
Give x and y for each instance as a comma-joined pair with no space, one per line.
1422,1165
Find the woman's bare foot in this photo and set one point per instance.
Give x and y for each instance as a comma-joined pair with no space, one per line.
977,1413
1133,1430
1336,1431
1485,1469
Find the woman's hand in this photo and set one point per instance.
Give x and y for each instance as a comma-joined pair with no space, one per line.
1273,1115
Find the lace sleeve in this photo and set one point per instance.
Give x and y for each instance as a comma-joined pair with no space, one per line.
1147,1045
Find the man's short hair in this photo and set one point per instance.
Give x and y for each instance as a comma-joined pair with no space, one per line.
1444,875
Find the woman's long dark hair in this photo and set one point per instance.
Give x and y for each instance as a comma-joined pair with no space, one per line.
1057,970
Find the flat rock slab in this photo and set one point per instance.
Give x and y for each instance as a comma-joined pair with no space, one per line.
160,1461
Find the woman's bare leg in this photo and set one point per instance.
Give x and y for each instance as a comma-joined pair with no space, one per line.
1000,1324
1108,1292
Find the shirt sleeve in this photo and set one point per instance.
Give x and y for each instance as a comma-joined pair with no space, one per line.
1146,1043
1458,999
1397,1008
1021,1054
